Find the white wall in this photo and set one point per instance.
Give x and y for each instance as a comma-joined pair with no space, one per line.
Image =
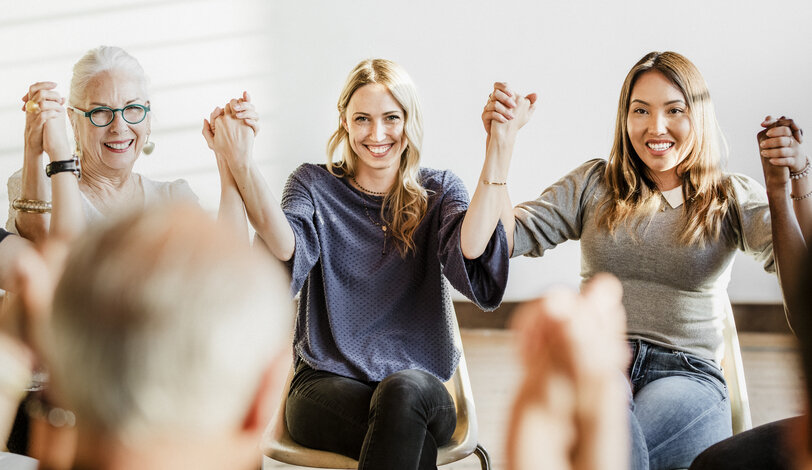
294,56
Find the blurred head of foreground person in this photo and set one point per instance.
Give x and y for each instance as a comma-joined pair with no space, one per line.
170,340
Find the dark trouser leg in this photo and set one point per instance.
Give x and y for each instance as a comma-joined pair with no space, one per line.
763,447
399,422
411,414
327,411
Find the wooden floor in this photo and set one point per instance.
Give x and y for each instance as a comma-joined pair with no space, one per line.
773,378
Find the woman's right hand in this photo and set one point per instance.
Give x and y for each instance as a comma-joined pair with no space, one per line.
42,104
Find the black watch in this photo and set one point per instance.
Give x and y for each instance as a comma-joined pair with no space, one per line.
72,165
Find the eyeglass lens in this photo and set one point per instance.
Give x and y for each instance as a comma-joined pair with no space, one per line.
133,114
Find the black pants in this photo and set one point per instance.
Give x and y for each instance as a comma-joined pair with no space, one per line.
397,423
762,448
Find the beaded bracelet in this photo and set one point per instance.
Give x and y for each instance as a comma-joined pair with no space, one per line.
801,174
31,206
37,408
800,198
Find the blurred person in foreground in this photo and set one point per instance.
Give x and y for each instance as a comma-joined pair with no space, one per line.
167,341
569,412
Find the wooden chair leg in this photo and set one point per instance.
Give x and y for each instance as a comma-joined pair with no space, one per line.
484,458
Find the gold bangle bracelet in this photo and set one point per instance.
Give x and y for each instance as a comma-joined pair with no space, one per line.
495,183
31,206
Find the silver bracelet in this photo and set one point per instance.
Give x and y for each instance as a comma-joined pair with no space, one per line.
801,174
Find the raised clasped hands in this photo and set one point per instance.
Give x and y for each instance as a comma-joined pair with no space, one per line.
781,150
45,129
230,130
506,111
574,353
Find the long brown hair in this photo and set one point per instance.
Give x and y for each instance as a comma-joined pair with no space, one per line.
405,204
633,194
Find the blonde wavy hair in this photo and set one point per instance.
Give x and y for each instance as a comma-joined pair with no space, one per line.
405,204
633,195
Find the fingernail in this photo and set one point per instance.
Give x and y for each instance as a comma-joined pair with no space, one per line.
763,153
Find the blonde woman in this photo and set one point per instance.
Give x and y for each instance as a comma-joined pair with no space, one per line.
663,217
370,238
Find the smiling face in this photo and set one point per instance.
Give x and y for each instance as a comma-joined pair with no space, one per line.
113,148
659,127
374,121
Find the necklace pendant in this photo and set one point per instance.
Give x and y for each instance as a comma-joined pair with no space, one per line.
383,227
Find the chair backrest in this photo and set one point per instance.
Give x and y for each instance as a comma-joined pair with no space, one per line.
733,369
278,445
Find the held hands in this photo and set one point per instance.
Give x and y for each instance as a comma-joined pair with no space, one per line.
781,150
563,330
35,274
45,122
574,353
507,111
230,131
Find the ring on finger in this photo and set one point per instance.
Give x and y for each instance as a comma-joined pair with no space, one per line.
31,106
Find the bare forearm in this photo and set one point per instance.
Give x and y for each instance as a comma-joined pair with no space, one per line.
491,200
14,377
33,226
264,212
803,206
11,249
789,247
231,213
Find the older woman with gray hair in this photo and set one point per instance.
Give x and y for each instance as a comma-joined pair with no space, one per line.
110,113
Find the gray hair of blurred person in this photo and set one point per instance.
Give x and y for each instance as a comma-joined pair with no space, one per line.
103,59
165,321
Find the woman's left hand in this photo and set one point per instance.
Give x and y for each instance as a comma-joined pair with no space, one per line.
244,109
780,147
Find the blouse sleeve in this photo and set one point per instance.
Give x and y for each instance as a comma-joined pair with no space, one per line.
752,223
482,280
179,190
299,208
557,214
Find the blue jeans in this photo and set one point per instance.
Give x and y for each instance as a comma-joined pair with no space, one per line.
397,423
679,407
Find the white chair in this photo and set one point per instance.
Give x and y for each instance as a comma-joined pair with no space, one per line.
278,445
733,369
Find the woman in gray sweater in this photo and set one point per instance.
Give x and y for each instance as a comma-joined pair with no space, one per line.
662,216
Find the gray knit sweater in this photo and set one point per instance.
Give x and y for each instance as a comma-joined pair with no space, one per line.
675,295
